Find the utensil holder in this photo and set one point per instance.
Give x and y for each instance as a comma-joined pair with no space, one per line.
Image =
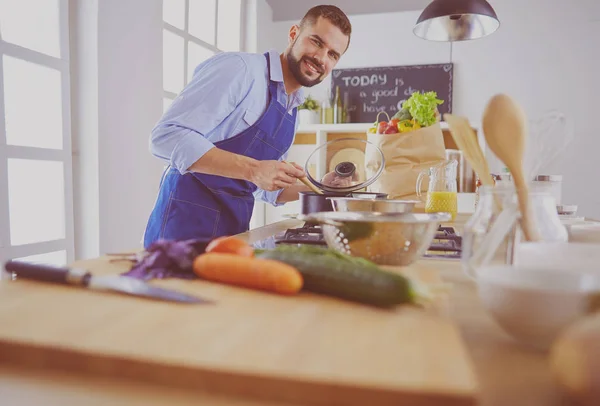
493,233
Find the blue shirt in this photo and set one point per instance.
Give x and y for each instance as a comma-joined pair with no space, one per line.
227,95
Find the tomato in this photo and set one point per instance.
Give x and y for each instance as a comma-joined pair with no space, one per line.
381,127
230,245
391,130
394,122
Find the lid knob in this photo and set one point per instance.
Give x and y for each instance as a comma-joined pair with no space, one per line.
345,169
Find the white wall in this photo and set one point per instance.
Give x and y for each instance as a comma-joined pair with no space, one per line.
118,90
265,39
544,55
130,89
84,126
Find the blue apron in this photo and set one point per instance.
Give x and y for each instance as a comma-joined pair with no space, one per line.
197,205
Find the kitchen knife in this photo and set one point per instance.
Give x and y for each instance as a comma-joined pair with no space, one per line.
81,277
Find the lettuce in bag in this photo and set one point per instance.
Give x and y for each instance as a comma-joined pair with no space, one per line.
422,107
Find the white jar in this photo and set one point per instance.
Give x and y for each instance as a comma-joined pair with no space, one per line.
551,183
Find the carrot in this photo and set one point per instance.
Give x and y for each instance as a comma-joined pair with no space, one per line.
230,245
263,274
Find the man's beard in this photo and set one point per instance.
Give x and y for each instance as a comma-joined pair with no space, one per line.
295,67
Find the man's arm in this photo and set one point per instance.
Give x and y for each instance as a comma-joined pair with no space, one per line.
290,194
267,175
214,92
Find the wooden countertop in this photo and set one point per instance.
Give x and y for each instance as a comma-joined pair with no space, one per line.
508,374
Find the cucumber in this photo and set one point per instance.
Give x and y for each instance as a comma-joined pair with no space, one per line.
329,272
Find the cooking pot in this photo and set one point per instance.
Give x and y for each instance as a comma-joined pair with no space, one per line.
342,173
312,202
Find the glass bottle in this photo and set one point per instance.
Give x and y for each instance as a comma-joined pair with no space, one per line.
327,110
346,104
337,107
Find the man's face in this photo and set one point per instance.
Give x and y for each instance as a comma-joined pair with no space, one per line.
314,51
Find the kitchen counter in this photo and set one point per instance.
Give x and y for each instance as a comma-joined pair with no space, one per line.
508,374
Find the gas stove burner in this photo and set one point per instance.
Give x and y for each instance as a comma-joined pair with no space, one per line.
307,234
445,245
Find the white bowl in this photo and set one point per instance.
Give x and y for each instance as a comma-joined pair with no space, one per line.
533,305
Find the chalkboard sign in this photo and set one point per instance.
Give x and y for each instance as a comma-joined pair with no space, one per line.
368,91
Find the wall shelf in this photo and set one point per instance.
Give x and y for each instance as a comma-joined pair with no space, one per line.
317,134
342,128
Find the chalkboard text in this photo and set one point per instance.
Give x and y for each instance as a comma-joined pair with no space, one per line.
372,90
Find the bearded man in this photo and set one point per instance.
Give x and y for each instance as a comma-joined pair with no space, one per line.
226,134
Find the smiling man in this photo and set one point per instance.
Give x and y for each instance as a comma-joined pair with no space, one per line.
226,134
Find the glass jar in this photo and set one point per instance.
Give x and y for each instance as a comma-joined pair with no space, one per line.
442,189
499,204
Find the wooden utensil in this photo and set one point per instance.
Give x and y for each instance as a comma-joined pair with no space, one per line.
466,140
308,183
504,127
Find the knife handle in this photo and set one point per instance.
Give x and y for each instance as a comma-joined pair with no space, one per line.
47,273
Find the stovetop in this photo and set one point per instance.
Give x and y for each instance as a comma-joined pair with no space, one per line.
307,234
447,244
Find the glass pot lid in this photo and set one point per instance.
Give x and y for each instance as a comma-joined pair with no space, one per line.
344,165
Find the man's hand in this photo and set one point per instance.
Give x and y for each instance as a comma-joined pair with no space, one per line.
274,175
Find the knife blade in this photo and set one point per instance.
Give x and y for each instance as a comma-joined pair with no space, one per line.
83,278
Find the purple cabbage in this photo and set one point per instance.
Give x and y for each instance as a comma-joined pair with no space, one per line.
168,259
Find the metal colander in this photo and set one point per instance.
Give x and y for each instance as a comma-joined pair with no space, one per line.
383,238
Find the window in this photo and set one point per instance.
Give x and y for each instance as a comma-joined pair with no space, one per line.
36,194
195,30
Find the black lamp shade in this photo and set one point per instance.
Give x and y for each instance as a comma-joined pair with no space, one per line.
456,20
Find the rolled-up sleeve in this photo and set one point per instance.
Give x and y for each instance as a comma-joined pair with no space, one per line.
218,86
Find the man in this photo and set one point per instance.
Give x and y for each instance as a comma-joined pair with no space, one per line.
226,134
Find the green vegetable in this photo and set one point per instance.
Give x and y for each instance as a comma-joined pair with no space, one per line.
422,107
402,115
309,104
329,272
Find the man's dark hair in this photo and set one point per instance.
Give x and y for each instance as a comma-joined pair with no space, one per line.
332,13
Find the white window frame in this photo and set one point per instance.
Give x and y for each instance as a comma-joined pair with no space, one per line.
185,34
61,64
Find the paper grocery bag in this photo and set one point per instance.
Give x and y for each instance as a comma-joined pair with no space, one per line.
406,155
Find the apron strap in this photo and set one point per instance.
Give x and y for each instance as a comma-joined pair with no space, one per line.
272,84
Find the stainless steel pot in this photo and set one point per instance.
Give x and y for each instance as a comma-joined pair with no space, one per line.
311,202
372,205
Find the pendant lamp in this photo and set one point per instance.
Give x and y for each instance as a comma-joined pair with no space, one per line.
456,20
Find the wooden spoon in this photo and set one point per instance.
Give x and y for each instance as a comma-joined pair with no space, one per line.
308,183
505,131
466,141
